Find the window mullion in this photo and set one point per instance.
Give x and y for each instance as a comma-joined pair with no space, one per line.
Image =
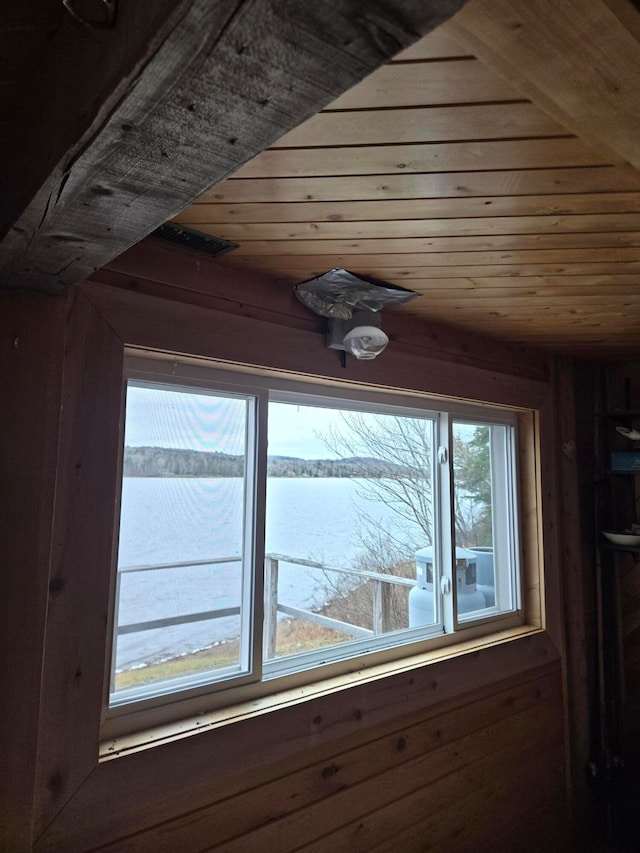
256,497
446,533
505,554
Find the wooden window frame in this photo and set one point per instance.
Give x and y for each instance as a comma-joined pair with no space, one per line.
201,693
75,775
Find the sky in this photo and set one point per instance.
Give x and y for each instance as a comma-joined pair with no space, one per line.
199,421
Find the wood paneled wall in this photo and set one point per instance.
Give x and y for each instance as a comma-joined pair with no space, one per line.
32,333
464,752
467,773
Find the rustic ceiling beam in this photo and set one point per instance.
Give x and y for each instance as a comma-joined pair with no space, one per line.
577,59
197,88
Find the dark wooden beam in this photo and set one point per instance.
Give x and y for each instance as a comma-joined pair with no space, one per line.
65,80
197,89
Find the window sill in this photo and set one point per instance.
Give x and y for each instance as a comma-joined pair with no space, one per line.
423,679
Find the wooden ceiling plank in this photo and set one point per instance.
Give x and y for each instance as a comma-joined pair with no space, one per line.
413,245
583,283
484,155
422,124
425,260
392,209
501,296
445,82
587,223
528,332
206,96
513,301
151,262
438,185
399,275
576,59
563,327
438,44
545,325
585,332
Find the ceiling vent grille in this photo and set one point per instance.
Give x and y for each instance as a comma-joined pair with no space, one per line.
171,232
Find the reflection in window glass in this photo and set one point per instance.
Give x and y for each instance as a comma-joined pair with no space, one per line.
483,518
268,534
349,504
182,580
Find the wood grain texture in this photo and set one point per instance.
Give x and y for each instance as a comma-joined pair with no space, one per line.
226,80
531,543
415,362
474,790
406,85
418,209
427,186
355,723
75,640
567,243
422,124
428,172
423,261
385,804
572,385
66,86
566,68
207,802
294,272
438,44
290,809
261,297
432,157
32,341
243,233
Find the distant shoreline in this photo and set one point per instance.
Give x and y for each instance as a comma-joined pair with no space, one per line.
175,462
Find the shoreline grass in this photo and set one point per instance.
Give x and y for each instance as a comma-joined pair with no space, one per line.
293,636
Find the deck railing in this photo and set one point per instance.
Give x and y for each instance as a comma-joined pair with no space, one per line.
380,614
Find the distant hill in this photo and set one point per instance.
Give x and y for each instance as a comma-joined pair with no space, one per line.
173,462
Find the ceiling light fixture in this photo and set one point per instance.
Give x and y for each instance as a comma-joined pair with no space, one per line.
352,305
360,336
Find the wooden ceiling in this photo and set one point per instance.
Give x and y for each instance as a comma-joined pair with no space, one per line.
437,174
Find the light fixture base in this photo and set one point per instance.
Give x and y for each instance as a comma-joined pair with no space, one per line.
360,336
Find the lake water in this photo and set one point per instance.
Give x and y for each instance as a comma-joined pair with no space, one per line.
180,519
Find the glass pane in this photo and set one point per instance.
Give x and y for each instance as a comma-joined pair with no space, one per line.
181,578
483,497
349,504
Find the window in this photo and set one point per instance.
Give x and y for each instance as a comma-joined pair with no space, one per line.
274,532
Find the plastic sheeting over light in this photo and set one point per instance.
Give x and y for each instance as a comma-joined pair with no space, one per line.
339,293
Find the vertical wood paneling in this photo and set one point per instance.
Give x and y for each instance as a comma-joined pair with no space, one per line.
80,560
32,334
530,541
578,580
